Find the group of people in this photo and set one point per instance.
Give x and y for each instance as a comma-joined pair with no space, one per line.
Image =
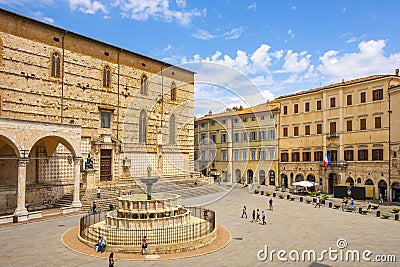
101,244
256,215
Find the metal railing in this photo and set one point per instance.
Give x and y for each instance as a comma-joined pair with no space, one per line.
157,236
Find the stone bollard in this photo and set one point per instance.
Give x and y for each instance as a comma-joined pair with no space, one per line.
301,199
360,210
396,217
378,213
262,192
274,194
330,204
287,196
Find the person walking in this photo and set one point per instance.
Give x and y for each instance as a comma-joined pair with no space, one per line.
318,202
270,201
98,192
380,199
244,213
103,244
263,218
258,216
111,260
254,216
94,208
144,245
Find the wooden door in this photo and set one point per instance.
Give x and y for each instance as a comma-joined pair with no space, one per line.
105,165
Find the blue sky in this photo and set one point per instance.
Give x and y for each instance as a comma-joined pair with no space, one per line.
275,47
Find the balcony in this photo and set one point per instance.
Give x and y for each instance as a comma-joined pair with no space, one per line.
332,135
340,163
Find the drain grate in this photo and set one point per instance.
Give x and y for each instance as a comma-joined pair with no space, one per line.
238,238
60,225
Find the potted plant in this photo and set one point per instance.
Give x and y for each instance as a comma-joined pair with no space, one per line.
395,210
256,191
385,216
364,212
336,206
375,206
325,196
292,198
281,196
268,193
308,200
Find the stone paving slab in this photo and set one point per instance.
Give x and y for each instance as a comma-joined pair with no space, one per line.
291,226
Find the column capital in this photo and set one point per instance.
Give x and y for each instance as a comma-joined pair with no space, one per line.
77,159
23,161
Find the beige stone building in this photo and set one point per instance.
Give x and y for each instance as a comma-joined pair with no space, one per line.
239,145
394,115
348,123
65,97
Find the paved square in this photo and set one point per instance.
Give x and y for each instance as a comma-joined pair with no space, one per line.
291,226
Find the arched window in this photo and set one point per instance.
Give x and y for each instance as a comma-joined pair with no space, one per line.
107,77
143,127
173,92
172,134
56,65
143,85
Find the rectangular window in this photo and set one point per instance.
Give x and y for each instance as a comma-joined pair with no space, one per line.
349,155
332,102
253,154
262,118
262,135
377,154
244,137
296,131
262,155
307,156
295,156
349,100
223,121
214,138
363,154
223,155
212,123
285,110
332,154
253,136
377,94
349,125
363,97
223,138
203,155
296,108
235,155
363,124
319,128
319,104
271,134
212,155
253,118
307,107
271,154
271,116
235,137
285,131
244,155
378,122
105,118
235,120
318,156
284,157
332,127
244,119
307,130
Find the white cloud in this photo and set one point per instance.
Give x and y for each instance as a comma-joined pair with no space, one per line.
23,2
168,47
290,33
296,62
181,3
234,33
203,35
252,7
351,40
293,8
87,6
344,10
40,16
370,59
158,9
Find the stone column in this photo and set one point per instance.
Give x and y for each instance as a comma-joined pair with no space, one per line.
21,210
76,203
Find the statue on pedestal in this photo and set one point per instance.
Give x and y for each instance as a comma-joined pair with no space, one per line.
89,163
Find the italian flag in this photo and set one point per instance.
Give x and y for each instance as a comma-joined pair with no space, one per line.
326,160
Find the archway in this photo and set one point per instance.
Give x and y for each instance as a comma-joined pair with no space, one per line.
238,175
396,192
261,175
311,178
299,177
369,182
382,189
250,176
350,181
271,177
332,181
284,180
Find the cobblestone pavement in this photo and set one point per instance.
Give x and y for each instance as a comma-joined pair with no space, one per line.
291,226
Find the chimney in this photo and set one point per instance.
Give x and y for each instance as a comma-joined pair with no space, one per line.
210,113
397,72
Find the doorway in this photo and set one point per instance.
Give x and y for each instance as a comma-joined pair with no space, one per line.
105,165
